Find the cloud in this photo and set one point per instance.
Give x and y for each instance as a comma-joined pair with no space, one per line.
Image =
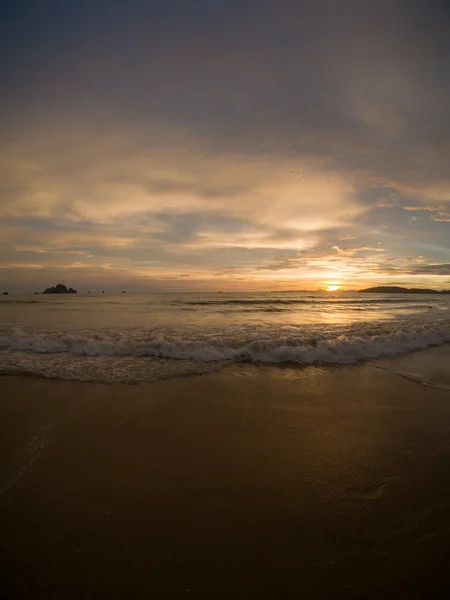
58,183
435,213
437,269
207,140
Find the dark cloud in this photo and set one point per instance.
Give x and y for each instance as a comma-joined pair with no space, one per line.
442,269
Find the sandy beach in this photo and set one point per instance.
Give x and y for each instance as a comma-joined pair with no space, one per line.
252,482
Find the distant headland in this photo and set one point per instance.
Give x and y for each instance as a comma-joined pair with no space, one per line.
59,289
392,289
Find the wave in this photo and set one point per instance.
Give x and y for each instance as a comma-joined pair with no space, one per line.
325,301
246,309
23,302
265,345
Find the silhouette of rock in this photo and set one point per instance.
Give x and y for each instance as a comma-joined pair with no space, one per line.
59,289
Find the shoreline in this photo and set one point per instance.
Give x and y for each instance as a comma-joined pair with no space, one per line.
431,360
264,482
136,370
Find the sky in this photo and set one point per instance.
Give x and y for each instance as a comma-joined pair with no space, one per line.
224,144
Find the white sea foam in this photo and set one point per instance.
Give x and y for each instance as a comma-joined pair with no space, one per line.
106,369
301,345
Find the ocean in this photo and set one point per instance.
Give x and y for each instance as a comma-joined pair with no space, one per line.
143,337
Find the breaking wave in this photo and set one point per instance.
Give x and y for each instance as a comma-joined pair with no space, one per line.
300,345
294,301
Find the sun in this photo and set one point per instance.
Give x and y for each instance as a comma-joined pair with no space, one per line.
333,286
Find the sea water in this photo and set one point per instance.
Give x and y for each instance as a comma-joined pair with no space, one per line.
142,337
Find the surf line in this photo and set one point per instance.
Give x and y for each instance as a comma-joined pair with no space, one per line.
432,385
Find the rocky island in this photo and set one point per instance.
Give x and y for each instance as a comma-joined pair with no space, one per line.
59,289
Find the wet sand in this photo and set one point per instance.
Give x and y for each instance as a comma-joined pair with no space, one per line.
249,483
